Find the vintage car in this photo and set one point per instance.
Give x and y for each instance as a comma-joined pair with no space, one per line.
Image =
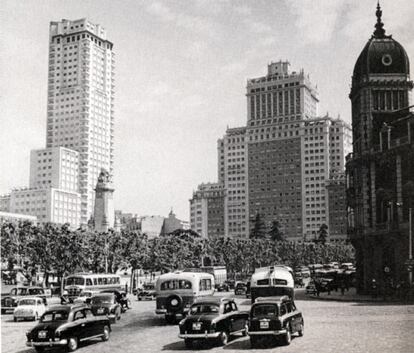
274,317
106,304
29,308
213,318
240,288
84,296
65,326
222,287
9,302
310,288
147,292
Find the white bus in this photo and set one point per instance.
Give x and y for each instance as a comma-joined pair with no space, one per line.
272,281
90,282
176,292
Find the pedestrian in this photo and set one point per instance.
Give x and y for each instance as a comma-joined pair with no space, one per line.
373,288
343,286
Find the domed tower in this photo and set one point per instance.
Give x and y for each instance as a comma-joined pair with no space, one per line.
380,86
381,163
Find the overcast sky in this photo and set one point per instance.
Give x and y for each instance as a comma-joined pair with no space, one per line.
181,70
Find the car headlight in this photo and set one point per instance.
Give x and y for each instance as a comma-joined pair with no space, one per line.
181,322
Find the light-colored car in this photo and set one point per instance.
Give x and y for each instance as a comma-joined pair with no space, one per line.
29,308
83,297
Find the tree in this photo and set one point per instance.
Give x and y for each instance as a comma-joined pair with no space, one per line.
275,233
259,228
323,234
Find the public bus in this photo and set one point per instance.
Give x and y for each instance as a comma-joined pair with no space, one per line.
272,281
91,282
176,291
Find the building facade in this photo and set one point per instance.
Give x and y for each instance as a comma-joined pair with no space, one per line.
291,152
80,109
232,169
338,217
380,172
207,210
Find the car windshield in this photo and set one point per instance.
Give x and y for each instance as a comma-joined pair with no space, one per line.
204,309
265,310
148,286
240,285
21,291
78,281
35,291
55,316
102,300
27,302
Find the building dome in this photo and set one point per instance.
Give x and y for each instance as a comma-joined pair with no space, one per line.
381,55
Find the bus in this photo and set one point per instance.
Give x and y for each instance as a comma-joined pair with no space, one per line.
176,292
77,283
272,281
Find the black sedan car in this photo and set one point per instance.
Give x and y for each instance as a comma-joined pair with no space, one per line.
275,317
106,304
213,318
65,326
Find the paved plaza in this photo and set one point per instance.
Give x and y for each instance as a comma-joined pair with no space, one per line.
330,326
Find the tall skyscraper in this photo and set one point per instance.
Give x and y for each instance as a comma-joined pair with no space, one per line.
277,105
380,172
80,113
232,169
291,152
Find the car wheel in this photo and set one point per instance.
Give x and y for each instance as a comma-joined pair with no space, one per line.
106,332
139,298
118,315
223,338
287,338
301,329
40,349
72,344
15,319
246,329
188,343
253,342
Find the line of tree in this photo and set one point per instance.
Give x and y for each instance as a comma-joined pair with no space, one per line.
60,250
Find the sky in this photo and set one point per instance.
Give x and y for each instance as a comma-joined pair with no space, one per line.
180,78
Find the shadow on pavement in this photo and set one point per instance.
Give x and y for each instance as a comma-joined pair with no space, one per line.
180,346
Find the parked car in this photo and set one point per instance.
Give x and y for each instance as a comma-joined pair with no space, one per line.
121,298
310,288
29,308
65,326
274,317
84,297
213,318
147,292
230,283
9,302
240,288
222,287
106,304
